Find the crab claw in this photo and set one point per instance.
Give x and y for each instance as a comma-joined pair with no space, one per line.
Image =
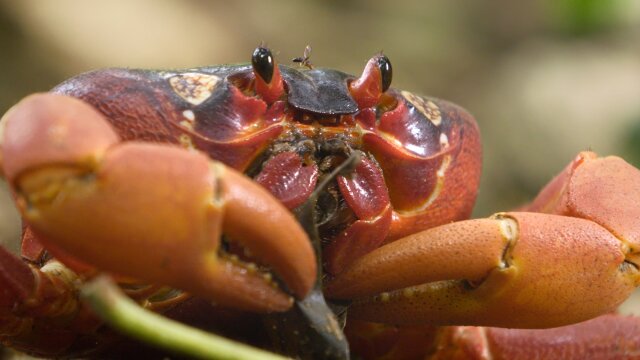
525,270
521,270
148,211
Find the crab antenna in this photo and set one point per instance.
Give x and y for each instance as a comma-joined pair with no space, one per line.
374,81
269,84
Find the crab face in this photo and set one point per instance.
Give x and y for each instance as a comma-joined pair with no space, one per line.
288,127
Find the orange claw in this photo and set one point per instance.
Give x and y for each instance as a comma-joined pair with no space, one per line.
526,270
153,212
522,270
603,190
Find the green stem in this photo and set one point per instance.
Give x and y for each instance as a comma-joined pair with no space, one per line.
123,314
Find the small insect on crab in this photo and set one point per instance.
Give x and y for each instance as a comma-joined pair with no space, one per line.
189,179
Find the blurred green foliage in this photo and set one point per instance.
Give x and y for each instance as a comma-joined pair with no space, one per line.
586,17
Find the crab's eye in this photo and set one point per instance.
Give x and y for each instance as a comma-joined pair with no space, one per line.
386,71
262,62
373,83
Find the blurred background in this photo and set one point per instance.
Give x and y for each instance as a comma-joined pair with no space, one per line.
545,79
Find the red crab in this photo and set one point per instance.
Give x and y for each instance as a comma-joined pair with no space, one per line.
188,179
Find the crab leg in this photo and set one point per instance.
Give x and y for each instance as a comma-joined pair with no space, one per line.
609,336
27,292
16,280
526,270
152,212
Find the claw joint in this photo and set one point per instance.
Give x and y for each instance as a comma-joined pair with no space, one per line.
509,229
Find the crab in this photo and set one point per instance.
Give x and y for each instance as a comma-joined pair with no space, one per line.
184,184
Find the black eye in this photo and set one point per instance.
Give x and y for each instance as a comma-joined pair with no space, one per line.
385,71
262,62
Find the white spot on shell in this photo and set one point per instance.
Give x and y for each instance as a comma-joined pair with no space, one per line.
194,88
426,107
444,141
189,115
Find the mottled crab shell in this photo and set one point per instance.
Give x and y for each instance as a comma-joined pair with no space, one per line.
422,155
